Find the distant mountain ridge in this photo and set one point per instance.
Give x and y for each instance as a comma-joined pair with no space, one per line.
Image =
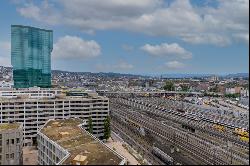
237,75
112,74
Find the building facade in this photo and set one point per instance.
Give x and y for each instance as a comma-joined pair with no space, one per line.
65,142
31,56
11,144
34,111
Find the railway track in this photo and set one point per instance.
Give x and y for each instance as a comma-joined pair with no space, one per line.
201,149
201,125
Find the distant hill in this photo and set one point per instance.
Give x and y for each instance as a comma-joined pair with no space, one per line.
185,75
238,75
111,74
243,75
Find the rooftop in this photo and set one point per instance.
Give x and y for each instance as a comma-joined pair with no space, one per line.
24,26
79,142
9,126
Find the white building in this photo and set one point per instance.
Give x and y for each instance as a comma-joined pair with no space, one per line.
11,144
230,91
33,109
244,93
65,142
4,84
34,92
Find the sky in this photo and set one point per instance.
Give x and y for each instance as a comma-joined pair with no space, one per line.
137,37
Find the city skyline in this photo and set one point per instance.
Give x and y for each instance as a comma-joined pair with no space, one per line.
146,37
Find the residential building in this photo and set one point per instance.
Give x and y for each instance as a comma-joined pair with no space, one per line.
11,144
65,142
230,91
31,56
214,78
244,93
34,108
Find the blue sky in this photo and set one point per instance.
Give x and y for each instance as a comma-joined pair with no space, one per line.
138,37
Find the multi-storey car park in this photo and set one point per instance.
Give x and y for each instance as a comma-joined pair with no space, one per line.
65,142
34,108
185,137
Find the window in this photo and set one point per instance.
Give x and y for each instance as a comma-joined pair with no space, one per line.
17,140
12,141
12,155
7,142
7,156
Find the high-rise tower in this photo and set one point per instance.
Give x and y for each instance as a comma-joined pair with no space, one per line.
31,56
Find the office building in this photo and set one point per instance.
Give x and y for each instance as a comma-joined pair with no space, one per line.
34,107
65,142
11,144
31,56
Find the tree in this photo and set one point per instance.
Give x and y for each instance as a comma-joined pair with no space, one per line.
107,130
90,125
232,95
184,88
169,86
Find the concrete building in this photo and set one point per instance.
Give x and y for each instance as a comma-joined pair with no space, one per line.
214,78
65,142
11,144
230,91
34,108
33,92
244,93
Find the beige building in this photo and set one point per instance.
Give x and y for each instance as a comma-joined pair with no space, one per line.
33,107
11,144
65,142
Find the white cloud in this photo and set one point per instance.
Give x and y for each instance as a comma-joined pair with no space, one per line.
119,66
5,56
123,66
174,65
244,37
44,13
207,39
72,47
165,49
180,18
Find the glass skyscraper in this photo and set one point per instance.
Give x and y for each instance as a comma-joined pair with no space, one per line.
31,56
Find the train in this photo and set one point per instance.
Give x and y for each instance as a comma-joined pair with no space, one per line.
219,127
168,160
241,132
245,139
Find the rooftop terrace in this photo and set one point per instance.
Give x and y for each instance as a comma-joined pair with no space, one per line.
9,126
77,142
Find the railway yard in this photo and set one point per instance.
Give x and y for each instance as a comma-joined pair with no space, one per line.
172,132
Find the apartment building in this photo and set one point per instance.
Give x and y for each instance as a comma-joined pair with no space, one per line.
11,144
65,142
34,109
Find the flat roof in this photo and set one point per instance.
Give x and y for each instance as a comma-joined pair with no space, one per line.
25,26
57,98
79,142
9,126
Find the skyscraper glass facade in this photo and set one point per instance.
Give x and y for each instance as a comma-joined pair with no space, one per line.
31,56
